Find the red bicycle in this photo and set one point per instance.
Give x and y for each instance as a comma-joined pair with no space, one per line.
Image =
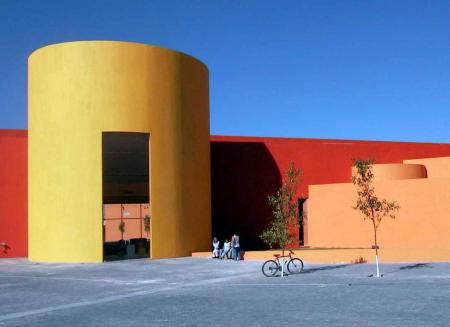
271,267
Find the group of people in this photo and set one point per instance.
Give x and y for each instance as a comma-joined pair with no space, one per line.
231,249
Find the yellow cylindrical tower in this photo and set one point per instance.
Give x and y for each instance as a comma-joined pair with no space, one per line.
77,91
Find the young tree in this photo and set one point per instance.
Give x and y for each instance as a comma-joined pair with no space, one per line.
121,228
368,204
281,231
147,224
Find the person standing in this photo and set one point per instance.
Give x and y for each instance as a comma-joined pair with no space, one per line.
233,255
236,247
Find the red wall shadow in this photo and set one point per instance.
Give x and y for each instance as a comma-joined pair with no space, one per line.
242,175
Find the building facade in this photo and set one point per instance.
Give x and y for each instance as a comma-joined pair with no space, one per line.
119,131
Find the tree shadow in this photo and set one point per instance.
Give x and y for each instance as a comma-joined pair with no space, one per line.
409,267
5,247
312,270
415,266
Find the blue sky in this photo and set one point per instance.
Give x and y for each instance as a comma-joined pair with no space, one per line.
374,70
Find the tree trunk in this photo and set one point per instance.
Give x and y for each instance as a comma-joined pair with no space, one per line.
374,231
376,243
375,237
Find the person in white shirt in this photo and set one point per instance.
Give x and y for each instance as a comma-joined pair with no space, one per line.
226,251
236,247
215,244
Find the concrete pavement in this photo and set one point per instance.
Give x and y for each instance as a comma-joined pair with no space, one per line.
207,292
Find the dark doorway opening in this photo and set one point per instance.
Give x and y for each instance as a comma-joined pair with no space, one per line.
126,198
302,219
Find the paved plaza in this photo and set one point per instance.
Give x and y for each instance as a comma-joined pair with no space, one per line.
207,292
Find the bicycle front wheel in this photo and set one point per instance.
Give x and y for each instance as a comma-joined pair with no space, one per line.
269,268
295,266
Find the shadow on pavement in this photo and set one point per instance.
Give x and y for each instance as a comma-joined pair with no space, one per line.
312,270
409,267
415,266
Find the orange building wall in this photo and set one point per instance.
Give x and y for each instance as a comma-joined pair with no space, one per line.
398,171
436,167
245,170
131,214
419,232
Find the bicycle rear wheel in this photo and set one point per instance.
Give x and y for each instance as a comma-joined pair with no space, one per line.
295,266
270,268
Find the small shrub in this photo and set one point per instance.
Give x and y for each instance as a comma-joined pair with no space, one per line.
358,261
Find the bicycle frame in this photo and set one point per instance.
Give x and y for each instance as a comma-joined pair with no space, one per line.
292,263
278,256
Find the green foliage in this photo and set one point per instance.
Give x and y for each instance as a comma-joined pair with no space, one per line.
122,227
282,229
368,203
147,224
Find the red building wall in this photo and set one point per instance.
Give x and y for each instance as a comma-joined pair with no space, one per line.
13,193
246,169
